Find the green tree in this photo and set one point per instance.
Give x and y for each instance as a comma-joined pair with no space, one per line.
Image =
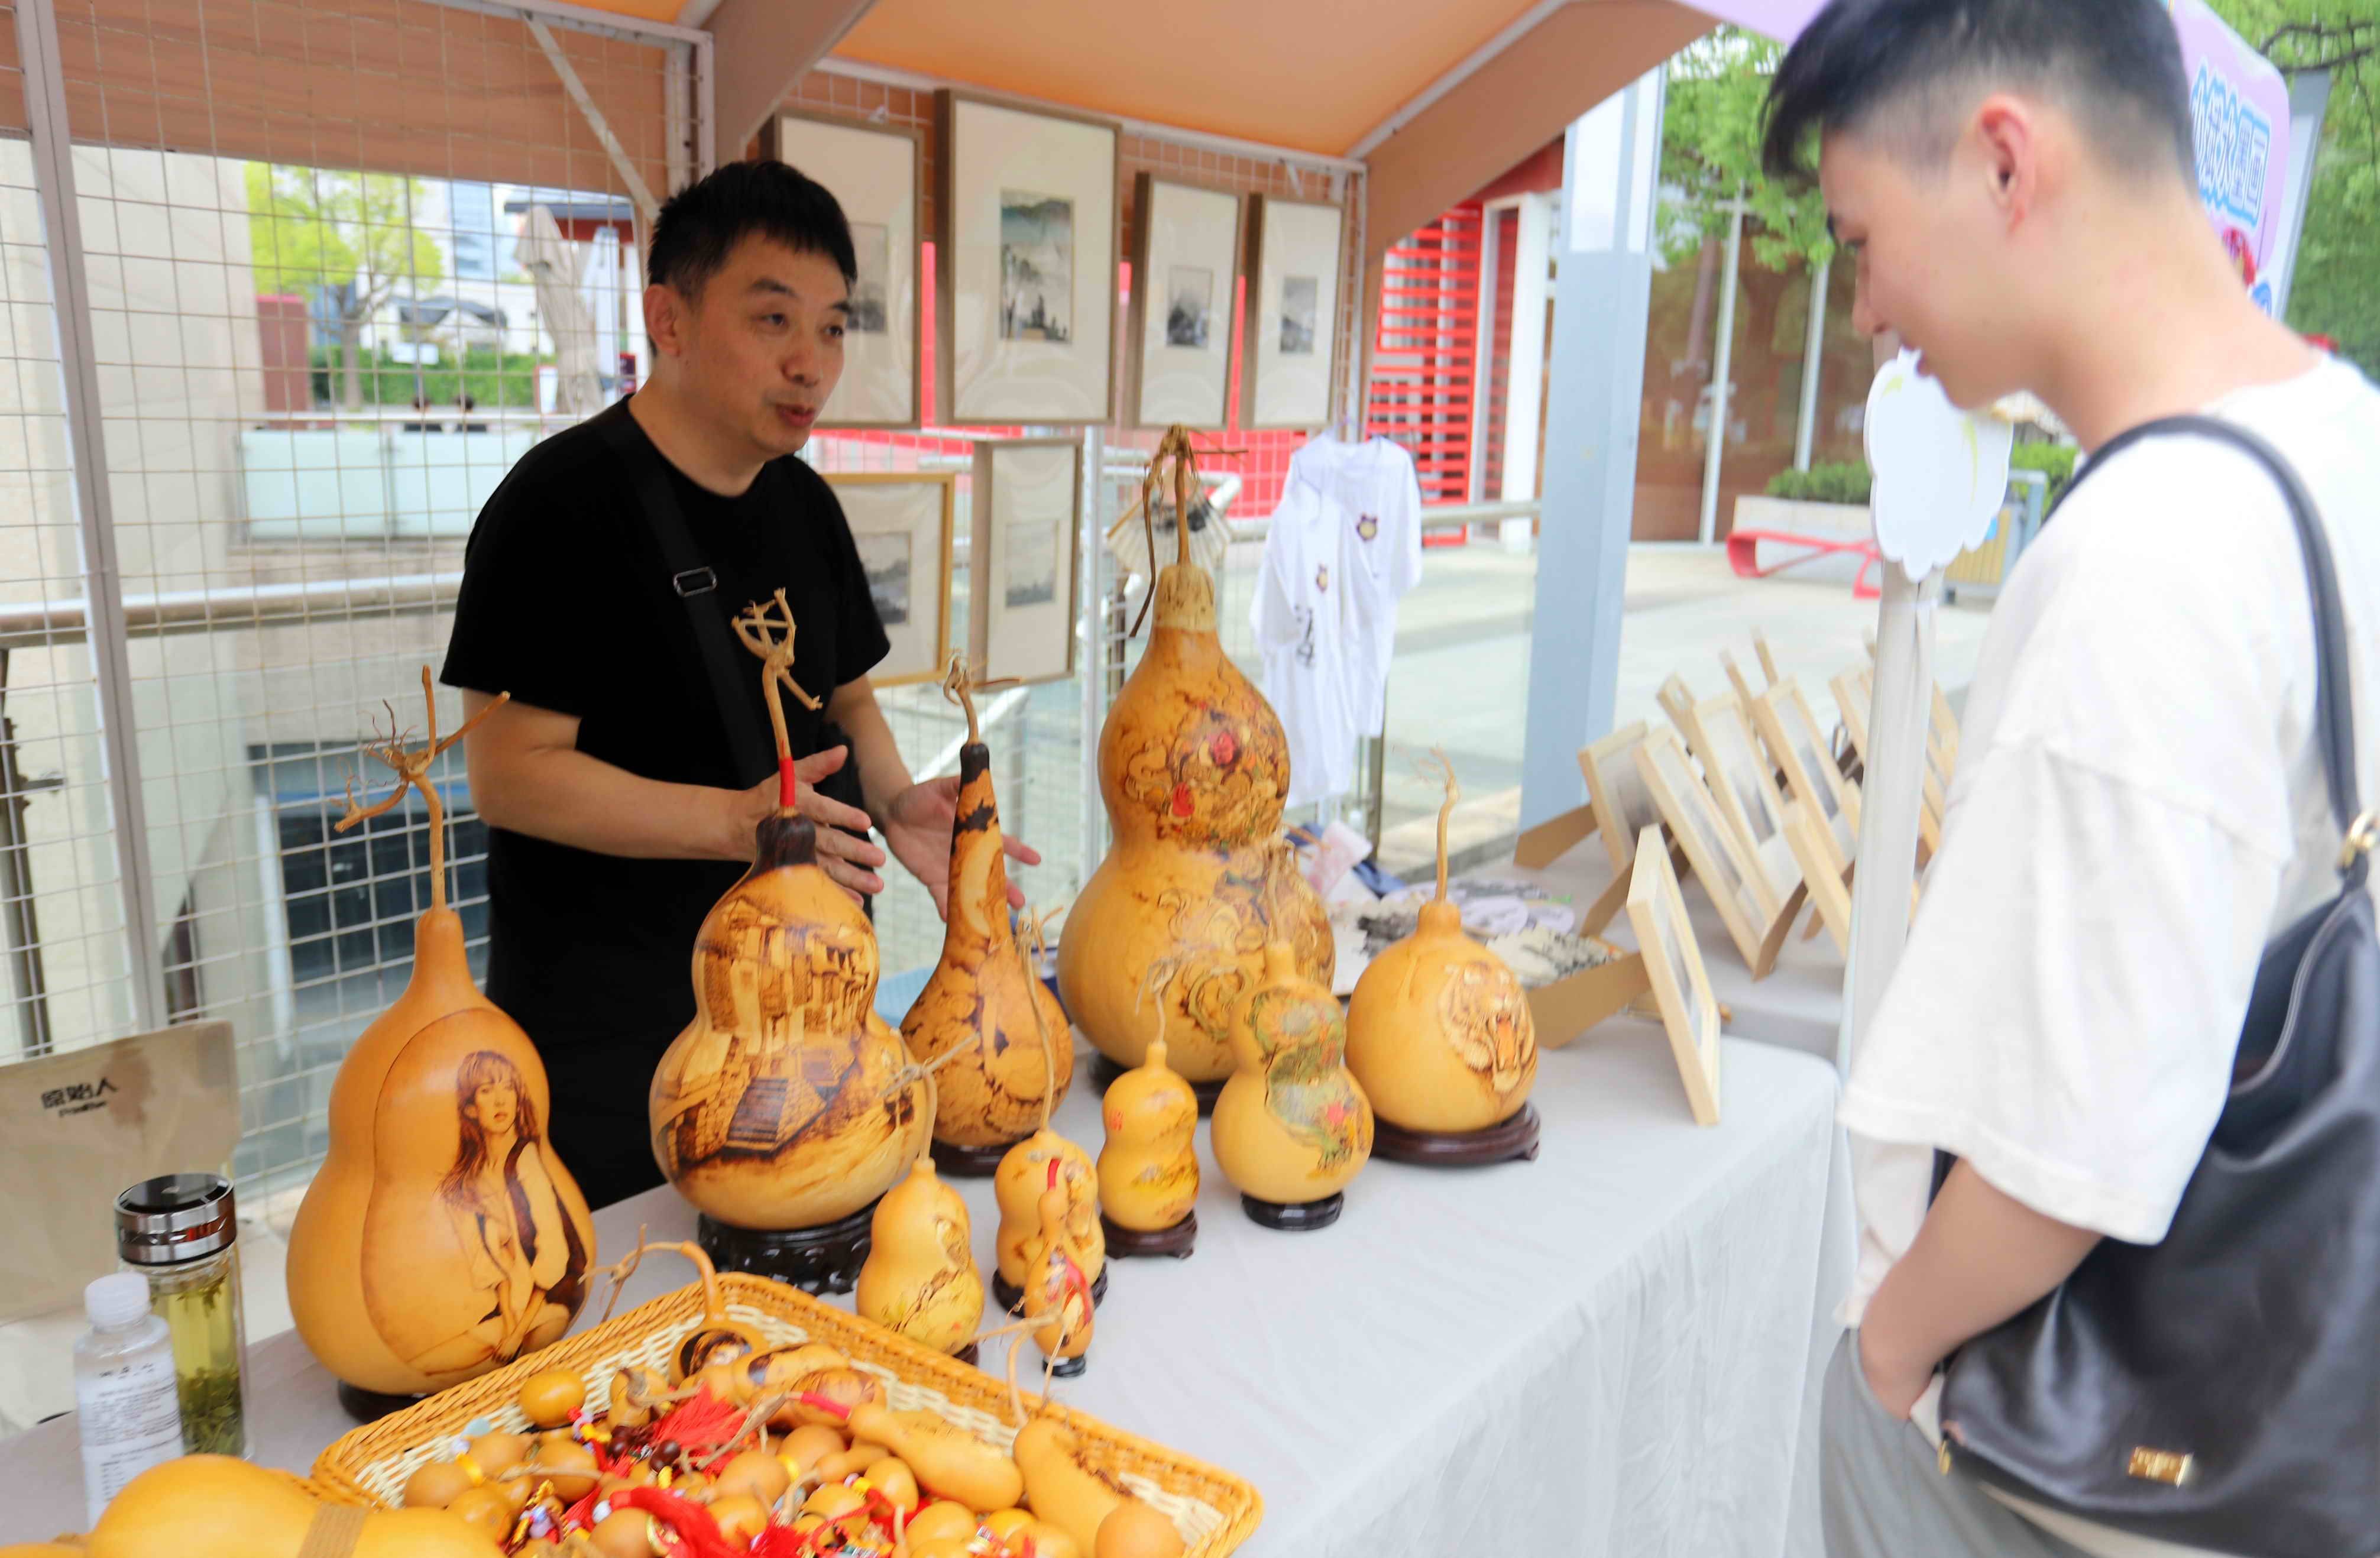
353,232
1710,153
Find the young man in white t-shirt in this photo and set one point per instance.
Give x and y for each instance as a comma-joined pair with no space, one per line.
2139,805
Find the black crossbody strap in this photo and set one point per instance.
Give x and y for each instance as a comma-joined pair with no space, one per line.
750,743
2334,685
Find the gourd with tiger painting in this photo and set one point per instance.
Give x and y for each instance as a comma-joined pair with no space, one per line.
1193,769
442,1238
1439,1032
981,998
787,1103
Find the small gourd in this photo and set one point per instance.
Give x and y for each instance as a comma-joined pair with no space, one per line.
981,997
1439,1032
1148,1165
1024,1174
920,1278
1292,1126
443,1237
1193,770
1057,1288
212,1506
787,1103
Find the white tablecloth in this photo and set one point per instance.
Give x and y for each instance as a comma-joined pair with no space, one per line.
1604,1352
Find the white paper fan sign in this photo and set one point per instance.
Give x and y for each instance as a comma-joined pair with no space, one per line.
1941,473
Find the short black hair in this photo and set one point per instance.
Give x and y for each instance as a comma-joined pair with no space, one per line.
701,224
2114,64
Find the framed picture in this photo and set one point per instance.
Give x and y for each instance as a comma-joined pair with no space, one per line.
1827,891
1673,966
1678,700
1623,806
1767,657
1022,521
1182,272
1812,778
1855,695
1746,788
1735,678
1732,879
1026,283
874,172
901,521
1292,317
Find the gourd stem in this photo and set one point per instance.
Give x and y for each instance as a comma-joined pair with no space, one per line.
954,688
1445,809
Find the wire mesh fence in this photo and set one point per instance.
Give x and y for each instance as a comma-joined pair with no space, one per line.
342,264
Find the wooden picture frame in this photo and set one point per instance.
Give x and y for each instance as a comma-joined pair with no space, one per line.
910,581
877,174
1735,678
1678,700
1289,363
1619,807
1185,270
1023,194
1744,786
1791,732
1681,981
1734,881
1825,881
1024,520
1854,697
1768,659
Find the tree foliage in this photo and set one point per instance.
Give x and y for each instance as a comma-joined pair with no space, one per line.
1711,150
355,232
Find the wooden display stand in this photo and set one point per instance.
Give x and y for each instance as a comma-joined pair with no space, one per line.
817,1261
1514,1139
1757,921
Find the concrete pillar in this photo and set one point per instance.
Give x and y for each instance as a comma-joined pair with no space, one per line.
1611,162
1524,362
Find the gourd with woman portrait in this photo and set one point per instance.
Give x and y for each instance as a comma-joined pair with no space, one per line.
442,1238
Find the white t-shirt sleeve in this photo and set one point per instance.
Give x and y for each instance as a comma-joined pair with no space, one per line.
2065,1015
1273,617
1404,566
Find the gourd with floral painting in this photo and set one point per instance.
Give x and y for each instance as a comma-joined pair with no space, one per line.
1292,1126
1193,769
442,1238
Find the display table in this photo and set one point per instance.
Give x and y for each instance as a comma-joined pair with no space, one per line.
1605,1351
1800,1005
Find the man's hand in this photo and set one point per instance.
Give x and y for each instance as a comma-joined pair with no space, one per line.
851,861
918,825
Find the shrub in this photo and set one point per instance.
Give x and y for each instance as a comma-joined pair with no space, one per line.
2053,460
1847,482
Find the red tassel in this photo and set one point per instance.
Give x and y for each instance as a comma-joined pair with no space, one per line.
690,1521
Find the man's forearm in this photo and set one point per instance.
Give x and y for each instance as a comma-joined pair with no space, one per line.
563,796
1982,1257
882,775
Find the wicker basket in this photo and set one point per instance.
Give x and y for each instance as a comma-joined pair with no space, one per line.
1214,1511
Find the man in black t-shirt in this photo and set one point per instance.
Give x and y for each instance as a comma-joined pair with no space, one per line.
617,808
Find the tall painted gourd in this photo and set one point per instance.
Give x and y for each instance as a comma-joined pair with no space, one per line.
982,994
1193,770
1148,1167
920,1278
1439,1032
787,1103
1292,1125
441,1237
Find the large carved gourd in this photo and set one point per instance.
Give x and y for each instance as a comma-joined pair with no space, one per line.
920,1278
1438,1032
1293,1126
787,1103
1193,770
981,996
441,1237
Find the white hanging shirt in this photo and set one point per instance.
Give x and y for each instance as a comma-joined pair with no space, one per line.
2138,808
1375,497
1299,632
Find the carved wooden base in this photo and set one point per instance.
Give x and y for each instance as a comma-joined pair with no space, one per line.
1007,1295
1515,1138
1304,1217
370,1406
970,1162
1070,1368
817,1261
1176,1241
1104,1072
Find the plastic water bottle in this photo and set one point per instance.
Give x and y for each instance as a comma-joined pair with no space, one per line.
125,1398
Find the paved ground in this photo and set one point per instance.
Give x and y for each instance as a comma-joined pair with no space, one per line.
1461,671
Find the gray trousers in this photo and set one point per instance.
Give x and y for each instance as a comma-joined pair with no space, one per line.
1882,1491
